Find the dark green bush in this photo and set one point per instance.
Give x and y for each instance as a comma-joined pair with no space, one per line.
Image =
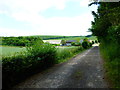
37,57
73,43
85,44
17,67
96,41
93,42
90,44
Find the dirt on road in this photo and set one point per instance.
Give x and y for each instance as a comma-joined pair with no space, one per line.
83,71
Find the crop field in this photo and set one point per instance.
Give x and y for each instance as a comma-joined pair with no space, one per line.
73,38
10,50
79,38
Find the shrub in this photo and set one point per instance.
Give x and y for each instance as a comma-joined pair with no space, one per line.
96,41
76,44
73,43
63,42
85,44
17,67
90,44
93,42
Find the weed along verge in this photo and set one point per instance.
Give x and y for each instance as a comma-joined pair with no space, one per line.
36,58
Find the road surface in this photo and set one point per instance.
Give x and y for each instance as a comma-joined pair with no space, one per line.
83,71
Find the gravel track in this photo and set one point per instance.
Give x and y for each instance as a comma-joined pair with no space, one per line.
83,71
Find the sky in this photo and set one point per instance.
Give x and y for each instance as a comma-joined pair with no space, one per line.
45,17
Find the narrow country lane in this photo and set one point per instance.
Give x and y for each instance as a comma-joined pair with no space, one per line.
83,71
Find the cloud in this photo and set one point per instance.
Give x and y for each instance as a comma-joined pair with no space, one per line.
77,25
31,6
13,32
29,11
84,3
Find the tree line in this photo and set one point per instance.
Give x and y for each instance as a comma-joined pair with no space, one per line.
106,26
19,41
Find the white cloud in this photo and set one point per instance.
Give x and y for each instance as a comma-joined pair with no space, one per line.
14,32
55,26
28,11
66,26
32,6
84,3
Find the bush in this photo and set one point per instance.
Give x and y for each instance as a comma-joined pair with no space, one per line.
85,44
93,42
96,41
73,43
76,44
36,58
90,44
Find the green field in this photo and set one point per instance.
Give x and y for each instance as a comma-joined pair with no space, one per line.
52,37
77,38
10,50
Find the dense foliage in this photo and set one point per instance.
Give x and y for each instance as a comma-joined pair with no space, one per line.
19,41
86,44
106,26
37,57
17,67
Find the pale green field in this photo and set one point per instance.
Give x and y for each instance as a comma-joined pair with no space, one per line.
10,50
77,38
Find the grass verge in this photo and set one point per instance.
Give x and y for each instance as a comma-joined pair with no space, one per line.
110,52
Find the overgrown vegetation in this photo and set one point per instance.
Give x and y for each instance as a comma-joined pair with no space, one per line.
106,26
37,57
19,41
68,52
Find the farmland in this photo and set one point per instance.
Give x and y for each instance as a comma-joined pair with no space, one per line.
17,46
10,50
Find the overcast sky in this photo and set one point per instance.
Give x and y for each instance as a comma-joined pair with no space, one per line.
45,17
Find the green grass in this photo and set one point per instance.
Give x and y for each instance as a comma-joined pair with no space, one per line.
10,50
65,53
111,55
77,38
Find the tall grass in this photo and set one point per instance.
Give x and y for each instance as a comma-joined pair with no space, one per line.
65,53
111,54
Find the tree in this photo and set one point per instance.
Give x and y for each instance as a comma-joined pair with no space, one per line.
63,42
